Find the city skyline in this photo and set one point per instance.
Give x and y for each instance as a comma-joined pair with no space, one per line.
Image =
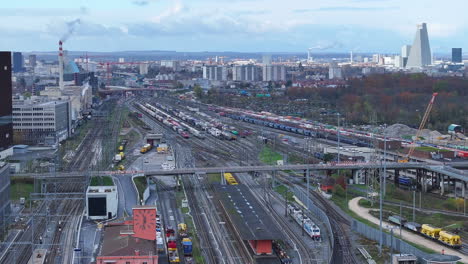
246,26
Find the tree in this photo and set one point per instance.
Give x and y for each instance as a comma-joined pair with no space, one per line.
198,91
328,157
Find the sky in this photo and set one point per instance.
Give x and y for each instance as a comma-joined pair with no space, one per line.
230,25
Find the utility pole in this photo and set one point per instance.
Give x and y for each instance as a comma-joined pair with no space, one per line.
385,162
414,205
380,213
338,129
400,219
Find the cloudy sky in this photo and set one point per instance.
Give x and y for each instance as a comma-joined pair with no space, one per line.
230,25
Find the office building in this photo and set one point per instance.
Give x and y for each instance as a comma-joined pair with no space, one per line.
335,71
41,122
457,55
6,128
420,53
18,62
32,60
81,98
215,73
246,73
274,73
405,51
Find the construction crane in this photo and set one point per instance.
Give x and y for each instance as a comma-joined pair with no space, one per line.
108,67
421,127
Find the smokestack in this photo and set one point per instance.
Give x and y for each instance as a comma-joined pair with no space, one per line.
60,58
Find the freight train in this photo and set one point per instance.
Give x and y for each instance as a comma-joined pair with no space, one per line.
308,131
319,130
307,224
434,233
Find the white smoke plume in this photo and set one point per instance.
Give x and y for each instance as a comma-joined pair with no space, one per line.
71,26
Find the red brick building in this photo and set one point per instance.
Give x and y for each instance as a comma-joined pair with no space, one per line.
131,242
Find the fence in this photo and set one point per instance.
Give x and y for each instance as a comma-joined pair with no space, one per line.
388,240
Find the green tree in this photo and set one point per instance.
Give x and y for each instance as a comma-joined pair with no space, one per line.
198,91
328,157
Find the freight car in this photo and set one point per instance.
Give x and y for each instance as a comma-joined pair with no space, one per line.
434,233
281,253
301,129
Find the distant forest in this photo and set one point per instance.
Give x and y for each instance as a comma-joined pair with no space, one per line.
396,98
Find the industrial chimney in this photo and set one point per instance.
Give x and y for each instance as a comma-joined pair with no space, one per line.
60,58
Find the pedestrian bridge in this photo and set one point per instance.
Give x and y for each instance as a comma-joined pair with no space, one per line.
452,169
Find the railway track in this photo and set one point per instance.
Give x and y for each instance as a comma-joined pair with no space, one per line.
343,249
306,256
57,251
215,151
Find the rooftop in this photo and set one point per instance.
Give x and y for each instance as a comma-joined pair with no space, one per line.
249,216
115,244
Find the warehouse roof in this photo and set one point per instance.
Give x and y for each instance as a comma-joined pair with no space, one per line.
247,214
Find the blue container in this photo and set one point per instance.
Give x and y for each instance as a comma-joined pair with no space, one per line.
187,245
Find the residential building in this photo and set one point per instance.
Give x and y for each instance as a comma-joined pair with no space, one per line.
173,64
215,73
398,61
6,90
144,68
266,59
376,58
457,55
420,54
41,122
274,73
18,62
335,71
246,73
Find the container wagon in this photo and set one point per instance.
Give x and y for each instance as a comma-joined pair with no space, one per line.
434,233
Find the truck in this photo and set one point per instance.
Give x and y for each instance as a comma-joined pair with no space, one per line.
187,246
145,148
117,158
182,230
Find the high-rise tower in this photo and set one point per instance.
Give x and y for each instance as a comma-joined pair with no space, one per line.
420,54
6,105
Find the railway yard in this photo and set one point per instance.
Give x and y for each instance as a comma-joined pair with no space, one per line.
246,218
